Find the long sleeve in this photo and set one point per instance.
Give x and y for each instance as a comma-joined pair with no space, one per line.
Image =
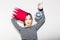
15,24
40,19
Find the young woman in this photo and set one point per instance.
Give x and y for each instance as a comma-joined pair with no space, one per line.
29,31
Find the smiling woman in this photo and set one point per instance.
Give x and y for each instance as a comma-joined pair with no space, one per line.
28,20
29,32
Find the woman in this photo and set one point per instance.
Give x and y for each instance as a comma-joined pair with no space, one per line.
29,31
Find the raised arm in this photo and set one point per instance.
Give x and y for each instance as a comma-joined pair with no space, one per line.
15,24
40,18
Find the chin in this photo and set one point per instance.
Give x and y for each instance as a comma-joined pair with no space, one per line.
28,25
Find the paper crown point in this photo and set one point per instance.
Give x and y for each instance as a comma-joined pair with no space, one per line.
20,14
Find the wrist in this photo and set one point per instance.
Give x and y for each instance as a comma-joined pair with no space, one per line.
40,9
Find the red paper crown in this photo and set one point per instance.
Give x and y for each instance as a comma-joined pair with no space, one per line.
20,14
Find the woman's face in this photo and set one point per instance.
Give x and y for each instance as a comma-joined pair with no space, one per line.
28,21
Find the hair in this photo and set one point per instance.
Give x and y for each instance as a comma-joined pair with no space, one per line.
30,16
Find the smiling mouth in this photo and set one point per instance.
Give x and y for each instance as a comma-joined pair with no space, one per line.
28,23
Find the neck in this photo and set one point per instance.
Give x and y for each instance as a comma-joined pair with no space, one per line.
27,26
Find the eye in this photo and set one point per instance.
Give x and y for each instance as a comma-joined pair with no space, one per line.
30,18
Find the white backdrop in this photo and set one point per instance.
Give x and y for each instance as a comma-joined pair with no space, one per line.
49,31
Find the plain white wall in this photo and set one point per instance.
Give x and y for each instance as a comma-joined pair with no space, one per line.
49,31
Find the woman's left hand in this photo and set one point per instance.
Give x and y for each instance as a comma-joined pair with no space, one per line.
40,5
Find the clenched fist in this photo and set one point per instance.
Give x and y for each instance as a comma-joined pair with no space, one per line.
40,5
